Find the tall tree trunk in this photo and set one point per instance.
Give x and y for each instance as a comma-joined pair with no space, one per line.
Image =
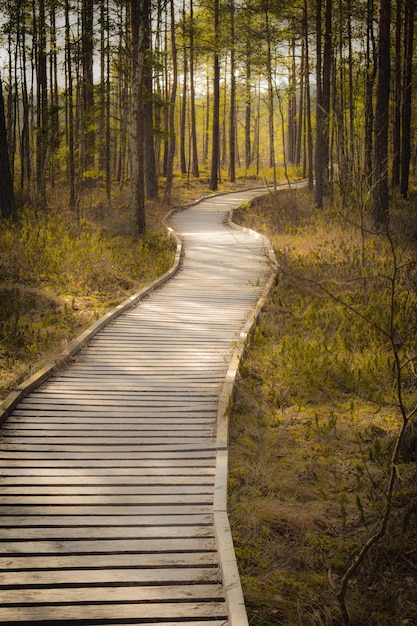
248,105
54,91
42,102
26,163
195,168
70,108
232,112
397,84
380,198
137,177
319,152
326,90
407,101
301,106
271,128
7,200
292,106
172,138
151,175
370,73
310,161
183,117
215,157
87,89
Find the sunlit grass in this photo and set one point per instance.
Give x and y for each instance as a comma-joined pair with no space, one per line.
60,273
314,421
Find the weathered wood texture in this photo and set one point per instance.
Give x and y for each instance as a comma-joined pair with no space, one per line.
108,470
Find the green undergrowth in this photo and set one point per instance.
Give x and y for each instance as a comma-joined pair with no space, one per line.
59,274
315,419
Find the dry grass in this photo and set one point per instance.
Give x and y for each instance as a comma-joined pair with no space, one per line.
312,428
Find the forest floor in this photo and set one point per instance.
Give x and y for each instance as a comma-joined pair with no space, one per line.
316,417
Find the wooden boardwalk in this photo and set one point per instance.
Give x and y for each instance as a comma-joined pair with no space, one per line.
113,471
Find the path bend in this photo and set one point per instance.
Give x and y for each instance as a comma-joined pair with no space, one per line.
113,472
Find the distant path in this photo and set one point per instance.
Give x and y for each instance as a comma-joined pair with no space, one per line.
111,470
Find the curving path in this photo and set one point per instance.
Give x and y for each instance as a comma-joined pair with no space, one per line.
113,471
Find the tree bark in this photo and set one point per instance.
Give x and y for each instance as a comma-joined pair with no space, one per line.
70,109
215,158
137,188
151,175
195,168
380,197
232,113
319,151
171,117
7,199
87,85
407,99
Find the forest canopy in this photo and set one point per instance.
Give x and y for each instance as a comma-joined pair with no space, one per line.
111,94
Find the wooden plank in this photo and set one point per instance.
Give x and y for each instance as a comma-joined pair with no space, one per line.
120,440
148,447
200,424
61,472
109,546
106,481
102,517
107,499
131,494
108,532
192,454
108,561
158,465
108,594
123,576
101,509
175,611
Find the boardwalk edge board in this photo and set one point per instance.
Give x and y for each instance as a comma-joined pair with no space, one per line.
227,557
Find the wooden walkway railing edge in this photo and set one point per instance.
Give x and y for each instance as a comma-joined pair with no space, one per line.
227,558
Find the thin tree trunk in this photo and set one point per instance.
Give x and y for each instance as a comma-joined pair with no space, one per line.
370,69
215,159
42,102
87,90
70,110
397,83
151,175
310,166
7,200
195,168
172,138
319,155
183,117
407,102
380,198
248,106
137,189
232,112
